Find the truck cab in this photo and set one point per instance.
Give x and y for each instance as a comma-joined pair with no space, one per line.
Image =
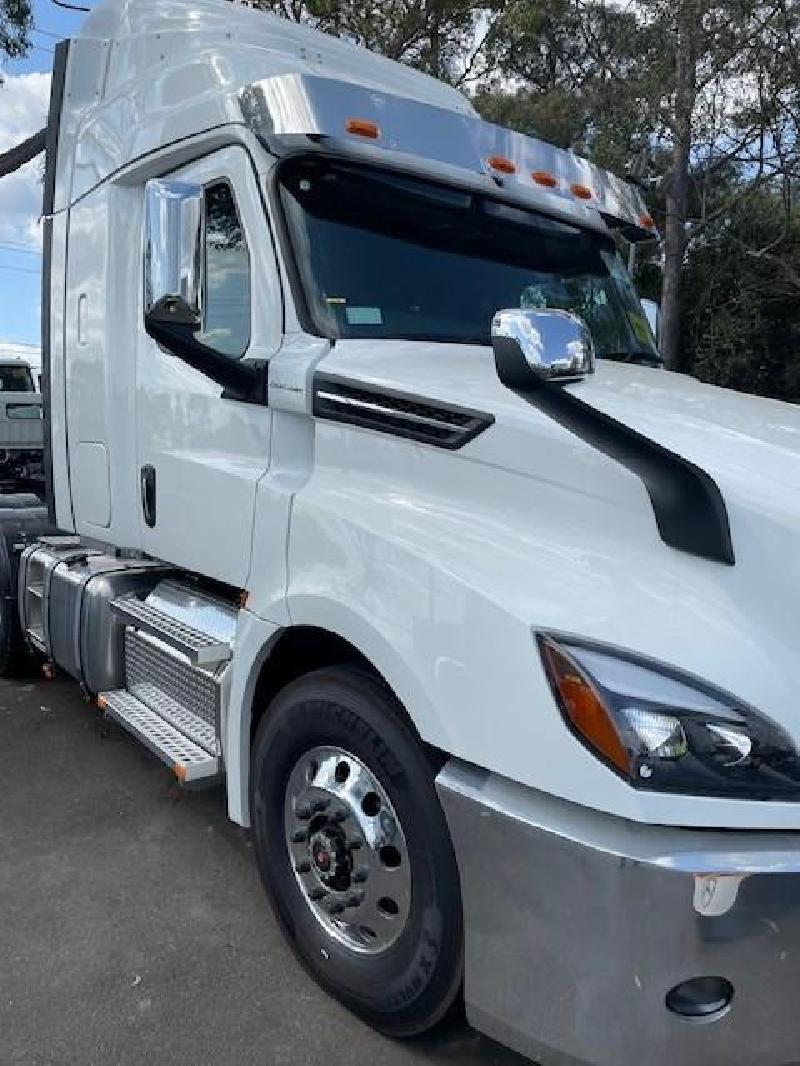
368,497
20,427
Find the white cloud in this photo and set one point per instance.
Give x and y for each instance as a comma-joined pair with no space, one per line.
23,111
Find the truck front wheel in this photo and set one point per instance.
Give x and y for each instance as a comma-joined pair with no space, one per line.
354,849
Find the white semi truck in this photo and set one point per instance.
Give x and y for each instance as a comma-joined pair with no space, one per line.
366,495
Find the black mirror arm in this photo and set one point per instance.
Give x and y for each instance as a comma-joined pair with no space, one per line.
241,381
689,509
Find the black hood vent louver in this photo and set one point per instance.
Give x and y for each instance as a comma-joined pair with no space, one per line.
400,414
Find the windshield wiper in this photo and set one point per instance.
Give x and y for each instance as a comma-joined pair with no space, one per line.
641,357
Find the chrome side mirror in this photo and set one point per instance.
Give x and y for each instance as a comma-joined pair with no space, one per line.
173,253
549,345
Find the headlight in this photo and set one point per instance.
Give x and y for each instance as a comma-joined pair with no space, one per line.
664,730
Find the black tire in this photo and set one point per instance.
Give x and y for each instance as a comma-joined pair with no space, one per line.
411,985
14,655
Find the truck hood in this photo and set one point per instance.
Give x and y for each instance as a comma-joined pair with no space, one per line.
527,527
749,445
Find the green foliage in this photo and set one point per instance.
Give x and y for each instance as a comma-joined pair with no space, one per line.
16,22
742,320
432,35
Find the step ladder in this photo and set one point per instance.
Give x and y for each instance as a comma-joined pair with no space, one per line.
173,680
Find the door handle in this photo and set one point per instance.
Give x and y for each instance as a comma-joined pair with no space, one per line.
148,489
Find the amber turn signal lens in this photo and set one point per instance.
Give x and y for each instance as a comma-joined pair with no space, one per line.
363,127
646,221
499,162
582,706
583,192
544,177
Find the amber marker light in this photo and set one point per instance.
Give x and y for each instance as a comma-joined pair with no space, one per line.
545,178
501,164
646,222
363,127
583,192
582,707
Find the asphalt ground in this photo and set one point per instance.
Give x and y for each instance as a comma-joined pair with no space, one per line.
133,925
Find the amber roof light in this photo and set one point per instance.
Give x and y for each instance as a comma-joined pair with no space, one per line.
499,162
363,127
583,192
544,177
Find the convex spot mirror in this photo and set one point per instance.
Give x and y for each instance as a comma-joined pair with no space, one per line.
549,345
173,253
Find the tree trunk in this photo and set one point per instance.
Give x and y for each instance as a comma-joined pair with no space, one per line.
678,188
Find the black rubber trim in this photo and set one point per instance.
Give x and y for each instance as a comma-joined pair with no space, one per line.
403,414
48,203
689,509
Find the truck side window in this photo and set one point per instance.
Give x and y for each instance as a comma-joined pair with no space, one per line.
226,316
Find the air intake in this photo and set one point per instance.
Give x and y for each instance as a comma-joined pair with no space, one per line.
400,414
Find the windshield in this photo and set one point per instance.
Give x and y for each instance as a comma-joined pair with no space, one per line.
382,255
16,379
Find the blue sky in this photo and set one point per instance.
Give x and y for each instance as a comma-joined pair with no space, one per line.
23,103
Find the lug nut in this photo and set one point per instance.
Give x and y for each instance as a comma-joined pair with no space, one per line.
303,867
354,845
360,875
316,894
299,836
320,805
341,815
303,813
335,908
356,899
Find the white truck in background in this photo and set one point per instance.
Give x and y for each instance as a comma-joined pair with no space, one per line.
21,440
366,495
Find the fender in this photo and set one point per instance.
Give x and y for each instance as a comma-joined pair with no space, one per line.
255,642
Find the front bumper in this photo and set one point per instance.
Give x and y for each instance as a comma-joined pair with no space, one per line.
578,924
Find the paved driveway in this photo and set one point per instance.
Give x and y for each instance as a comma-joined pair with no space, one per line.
133,927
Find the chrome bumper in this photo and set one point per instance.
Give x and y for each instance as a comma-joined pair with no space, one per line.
578,924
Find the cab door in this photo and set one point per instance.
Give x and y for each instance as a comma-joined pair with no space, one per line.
200,450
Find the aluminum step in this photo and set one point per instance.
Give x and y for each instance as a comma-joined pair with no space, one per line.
191,725
189,762
199,648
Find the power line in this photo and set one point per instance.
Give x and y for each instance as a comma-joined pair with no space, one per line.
20,270
49,33
69,7
17,246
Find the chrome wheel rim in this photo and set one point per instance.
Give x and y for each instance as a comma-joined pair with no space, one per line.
348,850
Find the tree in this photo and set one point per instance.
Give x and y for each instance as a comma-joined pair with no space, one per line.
16,22
673,91
729,100
437,36
742,320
